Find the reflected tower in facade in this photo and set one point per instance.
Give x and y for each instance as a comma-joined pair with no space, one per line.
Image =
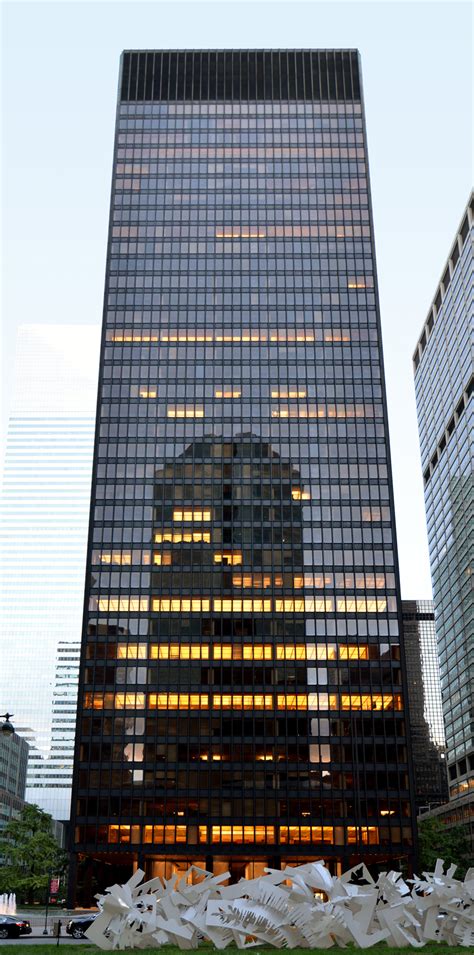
242,687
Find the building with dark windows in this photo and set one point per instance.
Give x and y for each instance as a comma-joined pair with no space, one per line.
444,385
13,764
424,700
242,687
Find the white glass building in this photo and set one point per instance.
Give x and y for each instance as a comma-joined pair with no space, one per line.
44,516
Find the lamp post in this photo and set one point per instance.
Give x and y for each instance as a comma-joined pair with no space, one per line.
7,728
45,930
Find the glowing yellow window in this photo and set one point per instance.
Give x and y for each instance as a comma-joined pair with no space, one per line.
228,557
162,560
147,392
129,701
366,835
284,393
123,604
353,652
132,651
180,411
191,516
222,651
299,495
227,394
195,537
356,283
258,652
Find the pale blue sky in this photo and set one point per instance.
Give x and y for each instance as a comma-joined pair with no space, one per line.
60,70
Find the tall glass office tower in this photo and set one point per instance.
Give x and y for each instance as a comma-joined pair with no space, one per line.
242,685
444,383
44,510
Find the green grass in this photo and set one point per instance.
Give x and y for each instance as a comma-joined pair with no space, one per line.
431,948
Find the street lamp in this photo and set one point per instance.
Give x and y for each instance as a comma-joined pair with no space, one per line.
7,728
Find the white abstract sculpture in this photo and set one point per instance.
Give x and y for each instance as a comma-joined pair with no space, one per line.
286,909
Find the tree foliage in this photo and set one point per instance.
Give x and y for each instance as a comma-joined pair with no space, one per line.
30,855
438,841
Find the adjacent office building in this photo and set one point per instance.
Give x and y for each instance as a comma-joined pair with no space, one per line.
444,384
45,508
13,763
242,686
424,699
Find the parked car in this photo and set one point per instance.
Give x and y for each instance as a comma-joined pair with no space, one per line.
77,926
12,927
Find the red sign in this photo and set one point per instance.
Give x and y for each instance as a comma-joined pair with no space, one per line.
54,886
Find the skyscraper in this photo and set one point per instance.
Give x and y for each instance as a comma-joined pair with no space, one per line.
44,508
242,687
444,384
13,763
424,699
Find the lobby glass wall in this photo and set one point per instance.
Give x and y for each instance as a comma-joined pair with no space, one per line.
242,685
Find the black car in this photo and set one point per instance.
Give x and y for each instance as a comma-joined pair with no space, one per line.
76,927
12,927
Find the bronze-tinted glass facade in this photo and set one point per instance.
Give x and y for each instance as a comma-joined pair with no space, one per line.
242,686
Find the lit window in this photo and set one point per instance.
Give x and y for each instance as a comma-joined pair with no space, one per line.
246,605
366,835
361,605
260,581
228,557
246,701
132,651
299,495
241,834
353,652
294,834
241,234
162,560
284,393
192,516
164,834
184,411
178,701
375,701
122,604
257,652
130,701
124,834
170,537
181,604
227,394
147,392
323,411
179,652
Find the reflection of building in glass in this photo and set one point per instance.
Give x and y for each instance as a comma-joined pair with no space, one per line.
13,762
424,698
444,383
45,506
251,712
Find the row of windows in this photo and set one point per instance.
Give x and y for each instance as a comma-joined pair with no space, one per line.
236,181
347,604
237,701
306,149
154,230
200,110
253,651
195,335
365,835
